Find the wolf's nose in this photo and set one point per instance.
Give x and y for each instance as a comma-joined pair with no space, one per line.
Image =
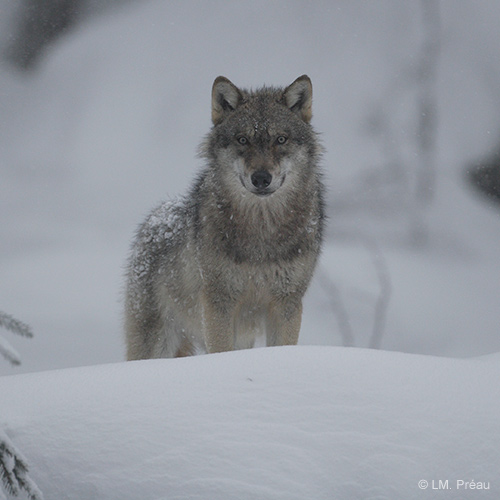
261,179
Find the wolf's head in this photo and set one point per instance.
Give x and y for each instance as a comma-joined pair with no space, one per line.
261,141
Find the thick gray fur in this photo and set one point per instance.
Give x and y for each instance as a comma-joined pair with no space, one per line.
233,259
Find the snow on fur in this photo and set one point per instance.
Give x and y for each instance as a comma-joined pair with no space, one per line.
162,224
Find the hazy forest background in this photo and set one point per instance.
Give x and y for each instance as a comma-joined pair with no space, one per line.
103,104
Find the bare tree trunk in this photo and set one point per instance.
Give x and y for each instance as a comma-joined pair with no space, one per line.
384,296
427,120
41,22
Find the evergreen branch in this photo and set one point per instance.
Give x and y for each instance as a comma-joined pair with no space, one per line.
14,472
14,325
8,352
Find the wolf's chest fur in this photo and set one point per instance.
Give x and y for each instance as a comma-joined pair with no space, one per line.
260,231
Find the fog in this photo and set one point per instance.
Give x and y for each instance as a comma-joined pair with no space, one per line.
106,123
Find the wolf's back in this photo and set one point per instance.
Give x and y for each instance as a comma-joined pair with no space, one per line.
160,257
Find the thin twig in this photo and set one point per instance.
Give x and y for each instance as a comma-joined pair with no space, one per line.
384,296
338,308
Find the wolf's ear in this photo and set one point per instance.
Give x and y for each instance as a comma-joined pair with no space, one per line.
298,97
225,98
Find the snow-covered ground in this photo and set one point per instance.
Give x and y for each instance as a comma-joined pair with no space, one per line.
306,422
109,125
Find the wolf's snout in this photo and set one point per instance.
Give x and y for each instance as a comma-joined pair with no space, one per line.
261,179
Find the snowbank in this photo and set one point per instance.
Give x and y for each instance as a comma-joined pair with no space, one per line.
273,423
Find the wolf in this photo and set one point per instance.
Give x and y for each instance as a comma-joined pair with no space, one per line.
231,261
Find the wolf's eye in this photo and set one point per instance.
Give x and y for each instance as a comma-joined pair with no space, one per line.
242,140
281,139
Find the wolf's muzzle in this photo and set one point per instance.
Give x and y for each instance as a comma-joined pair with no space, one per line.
261,180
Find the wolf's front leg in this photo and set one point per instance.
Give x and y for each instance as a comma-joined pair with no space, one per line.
218,322
283,323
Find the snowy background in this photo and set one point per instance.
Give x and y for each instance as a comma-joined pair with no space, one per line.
107,124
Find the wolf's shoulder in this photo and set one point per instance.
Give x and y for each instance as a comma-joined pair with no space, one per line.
165,223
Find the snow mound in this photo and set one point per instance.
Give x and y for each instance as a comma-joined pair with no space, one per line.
271,423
